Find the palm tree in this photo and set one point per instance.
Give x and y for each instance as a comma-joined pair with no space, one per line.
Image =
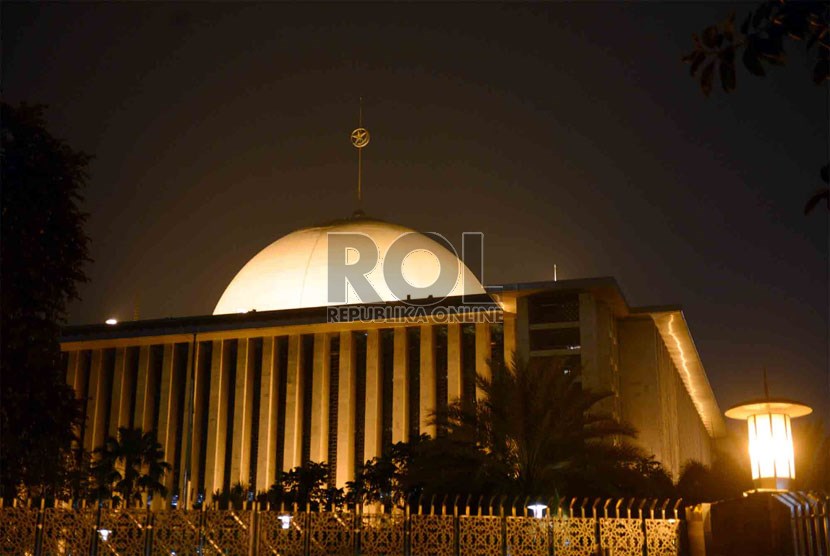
540,424
134,462
103,472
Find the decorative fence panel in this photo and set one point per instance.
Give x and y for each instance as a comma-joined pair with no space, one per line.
126,532
18,531
528,536
282,534
383,535
662,537
432,535
66,531
178,532
331,534
575,536
480,535
227,533
622,536
139,532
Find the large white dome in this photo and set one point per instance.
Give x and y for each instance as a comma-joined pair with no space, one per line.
292,272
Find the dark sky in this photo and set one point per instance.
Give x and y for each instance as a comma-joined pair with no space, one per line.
567,133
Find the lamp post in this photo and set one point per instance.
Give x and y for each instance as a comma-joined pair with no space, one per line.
538,510
771,451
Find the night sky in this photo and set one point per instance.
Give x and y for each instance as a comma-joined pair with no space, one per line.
567,133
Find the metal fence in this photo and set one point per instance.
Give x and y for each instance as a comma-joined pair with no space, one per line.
810,522
577,528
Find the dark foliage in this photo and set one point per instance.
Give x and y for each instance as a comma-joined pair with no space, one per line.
537,432
544,431
129,468
43,252
305,486
723,480
760,40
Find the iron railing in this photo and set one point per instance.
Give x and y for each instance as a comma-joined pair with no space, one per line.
574,527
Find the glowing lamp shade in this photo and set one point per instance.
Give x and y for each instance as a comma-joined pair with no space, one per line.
538,510
771,453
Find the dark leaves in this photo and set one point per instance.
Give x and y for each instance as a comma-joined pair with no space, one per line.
697,58
752,63
760,41
727,69
821,72
822,194
761,14
729,28
712,38
745,24
816,198
706,78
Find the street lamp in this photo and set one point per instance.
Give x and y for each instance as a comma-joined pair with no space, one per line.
538,509
770,439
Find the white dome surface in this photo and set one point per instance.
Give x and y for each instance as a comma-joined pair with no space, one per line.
292,272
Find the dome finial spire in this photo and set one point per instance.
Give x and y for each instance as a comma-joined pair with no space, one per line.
360,138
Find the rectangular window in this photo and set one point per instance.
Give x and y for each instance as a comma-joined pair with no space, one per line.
553,308
555,338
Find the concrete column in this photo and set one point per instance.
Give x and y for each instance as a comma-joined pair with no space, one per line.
217,419
122,390
168,415
321,377
483,354
428,392
293,405
192,416
509,338
346,417
95,405
373,424
75,380
269,404
455,375
400,388
74,374
144,393
243,413
588,339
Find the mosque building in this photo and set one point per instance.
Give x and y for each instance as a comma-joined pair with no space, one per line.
283,372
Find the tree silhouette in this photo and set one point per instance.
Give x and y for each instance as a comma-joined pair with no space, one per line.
129,466
541,425
43,252
304,485
760,41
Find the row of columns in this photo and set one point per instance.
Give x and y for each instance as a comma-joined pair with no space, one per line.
219,392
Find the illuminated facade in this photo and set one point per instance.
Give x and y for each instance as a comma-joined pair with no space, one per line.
235,397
